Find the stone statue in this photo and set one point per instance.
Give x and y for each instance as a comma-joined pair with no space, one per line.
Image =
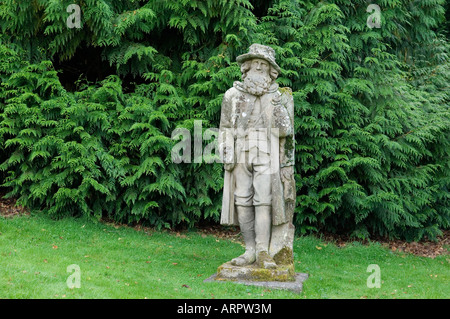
256,144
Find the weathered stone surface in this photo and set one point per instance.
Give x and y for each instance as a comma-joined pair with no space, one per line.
295,286
282,238
254,273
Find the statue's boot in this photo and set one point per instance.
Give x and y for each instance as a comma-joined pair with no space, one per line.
246,217
263,223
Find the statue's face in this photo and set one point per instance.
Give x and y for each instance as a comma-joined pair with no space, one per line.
256,76
260,65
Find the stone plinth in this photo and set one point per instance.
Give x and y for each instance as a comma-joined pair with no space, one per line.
295,286
253,273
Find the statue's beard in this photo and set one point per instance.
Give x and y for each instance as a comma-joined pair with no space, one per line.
257,83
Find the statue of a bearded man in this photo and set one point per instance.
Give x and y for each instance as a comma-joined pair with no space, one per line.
256,143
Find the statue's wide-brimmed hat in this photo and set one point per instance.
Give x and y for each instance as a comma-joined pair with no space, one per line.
259,51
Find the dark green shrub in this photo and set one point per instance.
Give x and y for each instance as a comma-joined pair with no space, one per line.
371,105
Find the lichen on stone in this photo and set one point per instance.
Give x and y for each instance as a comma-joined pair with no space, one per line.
281,273
263,258
285,90
284,257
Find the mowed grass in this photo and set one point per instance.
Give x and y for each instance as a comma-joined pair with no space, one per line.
121,262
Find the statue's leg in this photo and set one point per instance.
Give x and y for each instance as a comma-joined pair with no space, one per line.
262,200
243,195
263,223
246,216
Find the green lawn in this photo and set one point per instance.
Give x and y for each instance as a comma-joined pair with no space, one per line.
120,262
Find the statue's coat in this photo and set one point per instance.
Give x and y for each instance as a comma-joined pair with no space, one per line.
278,113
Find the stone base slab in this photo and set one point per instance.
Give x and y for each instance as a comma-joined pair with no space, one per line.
294,286
228,271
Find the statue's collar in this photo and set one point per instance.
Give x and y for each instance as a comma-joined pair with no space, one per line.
240,86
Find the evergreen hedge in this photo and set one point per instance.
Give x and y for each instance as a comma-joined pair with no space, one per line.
86,114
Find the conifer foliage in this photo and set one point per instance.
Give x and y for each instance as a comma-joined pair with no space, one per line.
87,114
